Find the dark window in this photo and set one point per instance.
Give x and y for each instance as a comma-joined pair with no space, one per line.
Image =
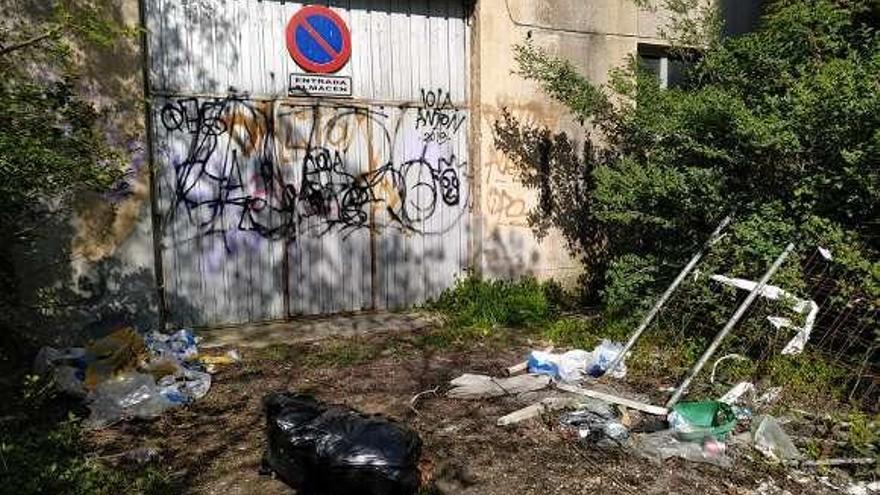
669,69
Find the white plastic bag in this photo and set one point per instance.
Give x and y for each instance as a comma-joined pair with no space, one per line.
603,355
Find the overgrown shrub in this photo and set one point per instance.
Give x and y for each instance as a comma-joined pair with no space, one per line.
780,128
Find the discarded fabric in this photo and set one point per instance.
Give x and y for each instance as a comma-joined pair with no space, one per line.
327,449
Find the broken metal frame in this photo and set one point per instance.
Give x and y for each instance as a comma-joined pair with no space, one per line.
719,338
668,293
740,312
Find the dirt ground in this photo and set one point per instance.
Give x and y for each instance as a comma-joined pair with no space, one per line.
215,445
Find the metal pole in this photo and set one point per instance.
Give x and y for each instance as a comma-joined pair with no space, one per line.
666,295
729,326
155,215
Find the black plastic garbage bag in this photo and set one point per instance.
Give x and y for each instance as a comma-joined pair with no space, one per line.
328,449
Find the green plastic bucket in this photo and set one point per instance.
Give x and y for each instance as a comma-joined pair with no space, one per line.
697,420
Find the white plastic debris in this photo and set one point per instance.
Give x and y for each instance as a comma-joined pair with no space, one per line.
772,441
577,364
735,394
125,396
662,445
799,306
769,397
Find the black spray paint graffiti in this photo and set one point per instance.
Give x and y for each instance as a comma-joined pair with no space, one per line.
280,171
438,119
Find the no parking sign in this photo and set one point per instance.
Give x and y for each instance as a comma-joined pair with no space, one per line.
318,40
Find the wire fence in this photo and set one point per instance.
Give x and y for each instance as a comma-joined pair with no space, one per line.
807,311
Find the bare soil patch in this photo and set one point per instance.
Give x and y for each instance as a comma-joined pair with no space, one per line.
215,445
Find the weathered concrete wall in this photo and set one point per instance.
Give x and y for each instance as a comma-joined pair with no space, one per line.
90,266
596,36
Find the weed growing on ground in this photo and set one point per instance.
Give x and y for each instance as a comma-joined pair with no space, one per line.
486,305
342,353
864,434
43,450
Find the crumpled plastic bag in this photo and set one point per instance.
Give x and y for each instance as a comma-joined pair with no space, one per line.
324,449
661,445
66,366
772,441
181,346
185,386
575,365
603,355
127,395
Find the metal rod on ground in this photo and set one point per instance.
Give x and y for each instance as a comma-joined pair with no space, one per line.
729,326
666,295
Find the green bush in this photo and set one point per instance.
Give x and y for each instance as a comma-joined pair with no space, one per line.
781,128
487,304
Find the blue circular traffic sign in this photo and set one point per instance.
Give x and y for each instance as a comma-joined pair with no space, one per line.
318,39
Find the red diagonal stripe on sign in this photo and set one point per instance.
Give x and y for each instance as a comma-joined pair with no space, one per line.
319,39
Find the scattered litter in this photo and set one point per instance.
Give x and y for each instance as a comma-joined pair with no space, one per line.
469,386
568,367
694,421
142,455
771,441
662,445
839,462
613,399
49,358
231,357
121,351
124,375
67,367
735,394
327,449
535,410
415,398
769,397
185,386
593,425
517,368
862,488
722,359
575,365
180,346
128,395
826,253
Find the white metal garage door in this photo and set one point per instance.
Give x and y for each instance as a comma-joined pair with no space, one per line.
275,205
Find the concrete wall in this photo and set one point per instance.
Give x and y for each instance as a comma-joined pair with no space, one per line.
596,36
90,265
